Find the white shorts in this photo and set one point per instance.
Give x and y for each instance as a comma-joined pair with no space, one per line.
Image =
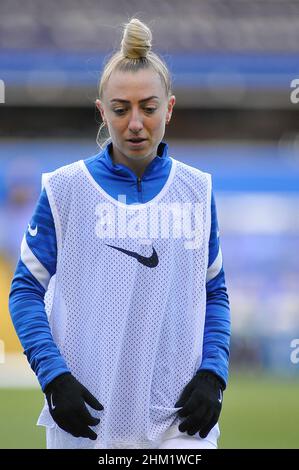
175,439
171,439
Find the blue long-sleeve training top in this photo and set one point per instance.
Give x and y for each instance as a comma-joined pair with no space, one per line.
37,264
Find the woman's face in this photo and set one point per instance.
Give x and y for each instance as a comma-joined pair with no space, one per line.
136,109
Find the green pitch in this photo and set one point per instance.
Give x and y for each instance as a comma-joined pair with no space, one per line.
257,413
260,412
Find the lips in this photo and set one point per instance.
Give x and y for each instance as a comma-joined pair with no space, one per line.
136,140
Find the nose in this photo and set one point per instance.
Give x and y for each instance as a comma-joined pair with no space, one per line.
135,123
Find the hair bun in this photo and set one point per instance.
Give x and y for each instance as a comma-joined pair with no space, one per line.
137,40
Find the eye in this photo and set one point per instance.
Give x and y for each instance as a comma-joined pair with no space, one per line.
150,110
119,111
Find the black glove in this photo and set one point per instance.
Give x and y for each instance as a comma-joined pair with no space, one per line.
201,400
66,399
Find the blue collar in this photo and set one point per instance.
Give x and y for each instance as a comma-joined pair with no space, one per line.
158,162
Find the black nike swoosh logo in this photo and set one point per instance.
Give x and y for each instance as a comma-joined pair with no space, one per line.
150,262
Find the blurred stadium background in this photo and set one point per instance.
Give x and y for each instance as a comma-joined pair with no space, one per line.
232,62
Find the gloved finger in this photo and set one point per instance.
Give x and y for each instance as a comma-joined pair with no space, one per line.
185,394
85,417
87,432
91,434
83,431
70,424
94,421
192,431
90,420
91,400
193,420
207,426
77,429
200,419
186,425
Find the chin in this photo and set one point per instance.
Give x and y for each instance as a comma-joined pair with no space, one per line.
137,155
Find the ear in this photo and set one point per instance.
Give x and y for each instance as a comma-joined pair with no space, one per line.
171,103
99,105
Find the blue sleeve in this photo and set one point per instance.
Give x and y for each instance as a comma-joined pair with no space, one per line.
36,266
217,323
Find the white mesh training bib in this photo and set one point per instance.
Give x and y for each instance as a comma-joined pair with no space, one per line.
127,303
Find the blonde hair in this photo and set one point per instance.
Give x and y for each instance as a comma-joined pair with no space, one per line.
135,54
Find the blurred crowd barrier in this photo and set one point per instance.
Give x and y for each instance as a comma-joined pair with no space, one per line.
238,53
196,24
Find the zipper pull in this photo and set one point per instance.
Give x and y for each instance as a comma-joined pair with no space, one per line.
139,184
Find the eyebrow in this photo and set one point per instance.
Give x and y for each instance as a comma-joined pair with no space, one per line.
140,101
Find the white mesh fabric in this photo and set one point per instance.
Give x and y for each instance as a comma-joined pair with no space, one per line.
130,333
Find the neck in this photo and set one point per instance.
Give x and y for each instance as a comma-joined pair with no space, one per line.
138,166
